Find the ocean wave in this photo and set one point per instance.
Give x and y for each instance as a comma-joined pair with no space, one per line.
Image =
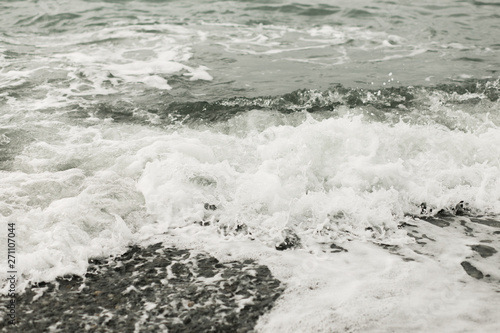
457,105
283,171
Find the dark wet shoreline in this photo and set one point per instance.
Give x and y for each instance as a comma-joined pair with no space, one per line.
152,289
159,288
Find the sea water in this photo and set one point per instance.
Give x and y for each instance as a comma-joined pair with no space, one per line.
235,127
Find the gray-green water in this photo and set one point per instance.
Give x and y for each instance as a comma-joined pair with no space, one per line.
251,48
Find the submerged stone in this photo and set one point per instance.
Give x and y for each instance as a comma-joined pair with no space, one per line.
471,270
290,241
484,250
335,248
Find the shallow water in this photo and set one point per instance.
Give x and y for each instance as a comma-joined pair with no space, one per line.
238,127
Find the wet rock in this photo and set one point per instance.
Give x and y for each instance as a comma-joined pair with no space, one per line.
290,241
471,270
208,206
242,228
461,209
423,209
484,251
427,237
486,221
468,230
439,220
395,249
335,248
402,225
203,223
389,247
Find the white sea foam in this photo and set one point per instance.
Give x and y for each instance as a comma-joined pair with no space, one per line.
333,177
271,40
366,289
103,62
82,192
